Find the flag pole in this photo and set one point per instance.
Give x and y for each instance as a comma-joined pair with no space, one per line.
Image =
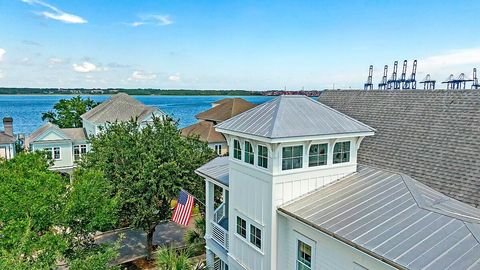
194,197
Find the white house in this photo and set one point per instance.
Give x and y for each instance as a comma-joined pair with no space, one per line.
7,139
294,197
67,145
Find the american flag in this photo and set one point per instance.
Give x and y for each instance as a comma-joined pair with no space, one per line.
183,210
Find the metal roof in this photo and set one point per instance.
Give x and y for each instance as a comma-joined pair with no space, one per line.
396,219
120,107
216,169
432,136
292,116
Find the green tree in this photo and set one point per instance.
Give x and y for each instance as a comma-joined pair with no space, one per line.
41,214
168,258
194,237
66,113
147,167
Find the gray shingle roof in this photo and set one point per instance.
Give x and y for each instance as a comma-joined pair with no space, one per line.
395,218
434,136
74,134
120,107
292,116
216,169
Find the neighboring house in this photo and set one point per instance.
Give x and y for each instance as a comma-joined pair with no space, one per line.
294,197
433,136
7,139
64,145
67,145
221,110
120,107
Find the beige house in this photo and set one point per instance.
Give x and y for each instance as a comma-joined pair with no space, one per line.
221,110
67,145
7,139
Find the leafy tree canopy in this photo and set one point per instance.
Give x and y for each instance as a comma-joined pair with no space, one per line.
45,219
66,113
147,167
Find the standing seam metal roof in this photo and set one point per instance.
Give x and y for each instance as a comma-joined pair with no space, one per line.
292,116
216,169
396,219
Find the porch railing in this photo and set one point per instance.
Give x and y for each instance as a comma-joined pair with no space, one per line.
220,235
219,213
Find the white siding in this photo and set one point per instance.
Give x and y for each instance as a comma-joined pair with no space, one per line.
330,253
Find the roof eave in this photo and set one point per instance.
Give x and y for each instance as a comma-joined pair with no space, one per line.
296,138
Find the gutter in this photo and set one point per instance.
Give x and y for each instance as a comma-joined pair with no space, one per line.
285,213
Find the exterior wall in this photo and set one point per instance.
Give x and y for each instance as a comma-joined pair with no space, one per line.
256,192
327,252
224,147
89,127
7,151
66,152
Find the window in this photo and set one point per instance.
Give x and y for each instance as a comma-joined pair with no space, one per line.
79,150
53,152
292,157
218,149
241,227
262,156
317,155
237,151
256,236
304,256
249,153
341,152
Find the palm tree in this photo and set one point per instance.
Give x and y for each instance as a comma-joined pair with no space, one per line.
177,259
195,237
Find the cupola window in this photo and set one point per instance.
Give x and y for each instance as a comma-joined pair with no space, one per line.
317,155
341,152
292,157
249,153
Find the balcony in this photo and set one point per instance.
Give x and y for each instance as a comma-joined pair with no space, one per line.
220,226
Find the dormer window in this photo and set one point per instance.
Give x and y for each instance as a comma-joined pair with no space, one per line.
237,151
292,157
341,152
317,155
249,158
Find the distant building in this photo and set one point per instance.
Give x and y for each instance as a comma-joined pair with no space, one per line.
221,110
67,145
7,139
294,197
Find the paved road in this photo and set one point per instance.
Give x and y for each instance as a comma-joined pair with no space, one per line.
133,246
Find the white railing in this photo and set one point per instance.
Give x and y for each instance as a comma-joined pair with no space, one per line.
219,265
219,235
219,213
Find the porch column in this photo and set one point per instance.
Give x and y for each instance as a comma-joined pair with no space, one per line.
209,207
210,258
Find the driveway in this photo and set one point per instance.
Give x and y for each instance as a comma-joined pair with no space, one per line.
133,246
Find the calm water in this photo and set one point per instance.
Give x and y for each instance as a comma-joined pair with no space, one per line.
27,110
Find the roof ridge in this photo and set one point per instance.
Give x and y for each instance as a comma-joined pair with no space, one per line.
274,118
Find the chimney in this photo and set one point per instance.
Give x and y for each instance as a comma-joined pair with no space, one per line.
8,125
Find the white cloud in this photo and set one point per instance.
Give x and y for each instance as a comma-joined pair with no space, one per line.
153,19
1,74
174,78
2,53
55,13
450,59
85,67
139,75
55,61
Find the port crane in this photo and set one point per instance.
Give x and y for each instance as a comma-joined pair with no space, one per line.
428,83
401,82
383,84
475,84
456,83
369,85
392,82
411,82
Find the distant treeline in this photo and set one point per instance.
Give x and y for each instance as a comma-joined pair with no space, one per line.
109,91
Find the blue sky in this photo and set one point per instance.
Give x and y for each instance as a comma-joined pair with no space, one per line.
254,45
